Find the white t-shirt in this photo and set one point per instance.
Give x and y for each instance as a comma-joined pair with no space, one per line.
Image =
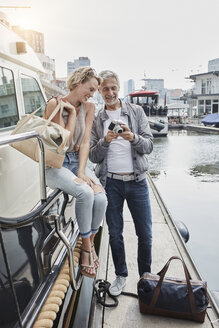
119,158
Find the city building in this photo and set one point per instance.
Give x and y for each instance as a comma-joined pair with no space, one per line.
49,67
129,86
80,62
35,39
156,85
213,65
205,93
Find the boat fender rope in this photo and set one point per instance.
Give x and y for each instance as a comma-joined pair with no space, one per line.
103,289
55,298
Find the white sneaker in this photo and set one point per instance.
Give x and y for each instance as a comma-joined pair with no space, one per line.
117,286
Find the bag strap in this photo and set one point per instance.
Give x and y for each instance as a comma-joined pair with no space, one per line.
158,287
28,117
61,105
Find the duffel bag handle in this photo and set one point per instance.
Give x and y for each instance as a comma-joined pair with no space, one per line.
162,274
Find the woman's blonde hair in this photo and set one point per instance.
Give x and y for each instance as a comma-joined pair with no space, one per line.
82,75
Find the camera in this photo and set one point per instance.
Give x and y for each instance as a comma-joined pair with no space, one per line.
116,127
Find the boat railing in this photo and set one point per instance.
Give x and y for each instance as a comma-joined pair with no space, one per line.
30,135
17,222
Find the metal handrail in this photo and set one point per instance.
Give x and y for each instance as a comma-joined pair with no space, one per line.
29,135
75,282
23,220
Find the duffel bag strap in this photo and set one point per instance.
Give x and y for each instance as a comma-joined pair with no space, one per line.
158,287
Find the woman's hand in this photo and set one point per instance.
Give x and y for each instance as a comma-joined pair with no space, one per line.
88,180
70,108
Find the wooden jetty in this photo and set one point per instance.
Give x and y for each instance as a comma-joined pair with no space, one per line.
166,243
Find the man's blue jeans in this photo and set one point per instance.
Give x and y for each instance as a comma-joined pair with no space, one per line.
137,196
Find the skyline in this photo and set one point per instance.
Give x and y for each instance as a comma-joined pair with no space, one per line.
167,40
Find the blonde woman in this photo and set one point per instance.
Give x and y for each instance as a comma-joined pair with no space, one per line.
72,178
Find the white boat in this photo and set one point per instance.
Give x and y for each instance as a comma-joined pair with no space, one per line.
157,115
38,228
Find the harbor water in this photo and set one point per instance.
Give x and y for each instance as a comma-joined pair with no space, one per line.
185,169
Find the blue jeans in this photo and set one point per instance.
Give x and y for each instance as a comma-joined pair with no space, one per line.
137,196
90,207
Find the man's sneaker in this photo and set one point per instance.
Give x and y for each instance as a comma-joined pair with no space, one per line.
117,286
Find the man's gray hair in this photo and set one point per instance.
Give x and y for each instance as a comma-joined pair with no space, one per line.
109,74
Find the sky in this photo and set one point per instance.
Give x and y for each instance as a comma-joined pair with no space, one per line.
159,39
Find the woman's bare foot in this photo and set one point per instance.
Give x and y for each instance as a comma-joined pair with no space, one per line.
95,257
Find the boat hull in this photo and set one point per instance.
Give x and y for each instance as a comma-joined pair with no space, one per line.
159,120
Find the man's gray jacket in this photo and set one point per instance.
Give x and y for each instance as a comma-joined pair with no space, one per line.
142,144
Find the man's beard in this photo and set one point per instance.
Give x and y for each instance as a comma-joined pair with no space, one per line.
113,102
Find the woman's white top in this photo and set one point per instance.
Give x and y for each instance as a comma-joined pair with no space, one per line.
79,127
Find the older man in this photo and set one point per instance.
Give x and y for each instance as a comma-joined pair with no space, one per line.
120,152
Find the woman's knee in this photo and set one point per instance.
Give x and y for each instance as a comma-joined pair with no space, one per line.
100,200
85,192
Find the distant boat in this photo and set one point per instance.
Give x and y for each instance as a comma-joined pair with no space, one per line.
211,119
157,115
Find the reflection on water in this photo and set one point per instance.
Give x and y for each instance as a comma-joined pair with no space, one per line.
185,169
208,171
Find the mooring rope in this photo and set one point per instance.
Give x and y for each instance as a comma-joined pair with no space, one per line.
54,300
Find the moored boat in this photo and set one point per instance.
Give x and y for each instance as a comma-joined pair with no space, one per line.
211,120
157,115
39,236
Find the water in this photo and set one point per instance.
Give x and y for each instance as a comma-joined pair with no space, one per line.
185,169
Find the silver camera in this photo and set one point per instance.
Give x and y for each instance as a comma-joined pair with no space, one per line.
116,127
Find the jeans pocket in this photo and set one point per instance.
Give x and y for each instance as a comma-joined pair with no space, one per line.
142,183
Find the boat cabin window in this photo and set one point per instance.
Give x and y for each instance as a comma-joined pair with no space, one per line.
145,100
8,102
33,97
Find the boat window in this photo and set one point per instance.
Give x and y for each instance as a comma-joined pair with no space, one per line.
143,100
8,102
33,97
134,99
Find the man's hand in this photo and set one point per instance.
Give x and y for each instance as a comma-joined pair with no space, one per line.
111,135
127,133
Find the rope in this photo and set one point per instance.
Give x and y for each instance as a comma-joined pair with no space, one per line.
103,289
54,300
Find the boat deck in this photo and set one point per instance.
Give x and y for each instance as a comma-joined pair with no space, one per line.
166,243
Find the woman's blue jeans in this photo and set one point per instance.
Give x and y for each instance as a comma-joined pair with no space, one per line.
137,196
90,207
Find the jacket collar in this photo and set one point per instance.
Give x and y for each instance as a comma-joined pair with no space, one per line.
124,110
